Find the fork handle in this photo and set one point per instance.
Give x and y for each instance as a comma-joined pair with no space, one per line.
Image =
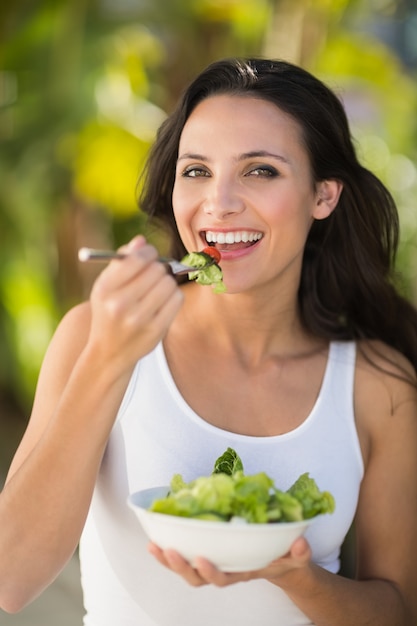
91,254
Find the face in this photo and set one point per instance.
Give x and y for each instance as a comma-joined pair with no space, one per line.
243,183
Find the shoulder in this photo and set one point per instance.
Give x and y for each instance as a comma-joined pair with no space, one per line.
73,329
385,387
385,375
68,341
385,358
77,317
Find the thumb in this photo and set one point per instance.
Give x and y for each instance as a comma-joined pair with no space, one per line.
134,244
300,549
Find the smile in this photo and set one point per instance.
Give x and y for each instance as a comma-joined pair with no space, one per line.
238,236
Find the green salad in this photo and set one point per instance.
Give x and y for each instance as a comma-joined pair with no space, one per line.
210,272
229,494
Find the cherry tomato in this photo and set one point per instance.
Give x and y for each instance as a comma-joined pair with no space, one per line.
213,252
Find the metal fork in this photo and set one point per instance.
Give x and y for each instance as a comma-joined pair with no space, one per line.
177,268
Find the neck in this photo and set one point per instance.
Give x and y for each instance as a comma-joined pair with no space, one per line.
254,328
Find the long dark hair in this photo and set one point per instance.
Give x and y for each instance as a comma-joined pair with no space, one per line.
347,288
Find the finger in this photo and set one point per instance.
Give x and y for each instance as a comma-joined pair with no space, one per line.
152,276
144,300
121,271
300,549
134,244
166,314
136,283
211,574
158,554
182,567
176,563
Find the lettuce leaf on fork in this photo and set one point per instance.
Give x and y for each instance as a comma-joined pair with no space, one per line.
208,272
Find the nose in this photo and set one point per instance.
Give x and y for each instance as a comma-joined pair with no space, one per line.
223,198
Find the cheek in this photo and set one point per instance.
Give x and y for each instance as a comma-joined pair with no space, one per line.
185,202
175,198
290,218
182,214
178,206
180,201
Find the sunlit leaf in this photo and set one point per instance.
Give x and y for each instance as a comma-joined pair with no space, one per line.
106,167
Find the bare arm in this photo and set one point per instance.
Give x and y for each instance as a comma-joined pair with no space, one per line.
83,378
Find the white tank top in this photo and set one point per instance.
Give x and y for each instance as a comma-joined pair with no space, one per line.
156,435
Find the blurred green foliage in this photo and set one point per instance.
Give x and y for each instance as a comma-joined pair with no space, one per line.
84,86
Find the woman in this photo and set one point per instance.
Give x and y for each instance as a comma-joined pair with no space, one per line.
306,363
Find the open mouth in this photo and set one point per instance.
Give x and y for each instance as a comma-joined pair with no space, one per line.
232,240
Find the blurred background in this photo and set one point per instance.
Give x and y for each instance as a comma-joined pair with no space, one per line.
84,84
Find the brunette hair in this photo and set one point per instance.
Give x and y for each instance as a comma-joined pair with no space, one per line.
347,289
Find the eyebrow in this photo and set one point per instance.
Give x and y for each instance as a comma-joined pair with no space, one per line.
245,155
262,153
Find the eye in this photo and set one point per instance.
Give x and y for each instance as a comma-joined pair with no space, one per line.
264,171
194,171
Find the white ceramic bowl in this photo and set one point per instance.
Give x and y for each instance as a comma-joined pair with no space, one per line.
231,546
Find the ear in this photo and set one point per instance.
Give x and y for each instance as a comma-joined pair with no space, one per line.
327,197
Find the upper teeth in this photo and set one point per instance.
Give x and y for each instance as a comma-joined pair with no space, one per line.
232,237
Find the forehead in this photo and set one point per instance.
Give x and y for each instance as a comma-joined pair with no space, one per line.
238,116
